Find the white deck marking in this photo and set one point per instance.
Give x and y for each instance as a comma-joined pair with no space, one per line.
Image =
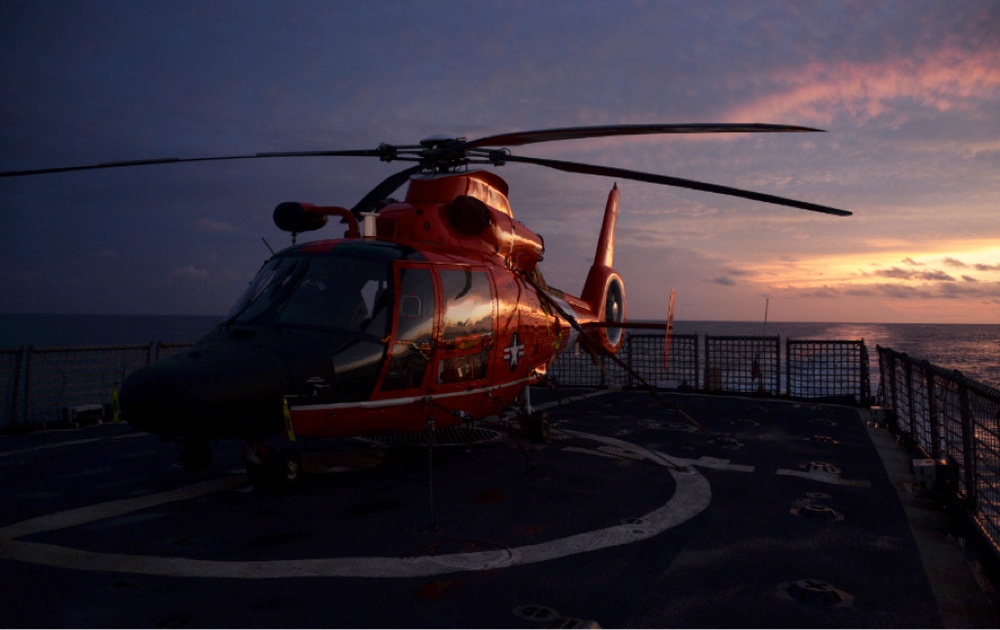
45,447
824,477
692,495
111,509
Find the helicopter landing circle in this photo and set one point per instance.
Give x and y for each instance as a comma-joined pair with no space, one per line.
692,495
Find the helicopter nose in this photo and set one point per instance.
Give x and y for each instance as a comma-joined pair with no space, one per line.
206,393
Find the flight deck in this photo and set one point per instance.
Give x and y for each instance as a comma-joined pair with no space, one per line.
679,510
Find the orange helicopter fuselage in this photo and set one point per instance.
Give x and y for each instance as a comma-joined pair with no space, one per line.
435,311
468,369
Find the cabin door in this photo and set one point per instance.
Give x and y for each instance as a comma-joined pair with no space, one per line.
467,327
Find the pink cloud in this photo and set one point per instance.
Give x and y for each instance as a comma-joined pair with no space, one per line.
943,79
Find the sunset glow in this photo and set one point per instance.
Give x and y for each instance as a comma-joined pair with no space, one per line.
908,95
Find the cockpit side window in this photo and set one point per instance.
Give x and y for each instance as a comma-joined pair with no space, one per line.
412,351
416,305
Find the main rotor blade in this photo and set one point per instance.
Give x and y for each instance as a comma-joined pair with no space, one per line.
518,138
128,163
350,153
383,190
666,180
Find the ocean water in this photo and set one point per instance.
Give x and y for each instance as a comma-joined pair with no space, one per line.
47,331
973,349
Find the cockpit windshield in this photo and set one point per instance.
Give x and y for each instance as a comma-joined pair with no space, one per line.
269,281
319,290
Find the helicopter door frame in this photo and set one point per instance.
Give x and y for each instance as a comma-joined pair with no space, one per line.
466,333
410,360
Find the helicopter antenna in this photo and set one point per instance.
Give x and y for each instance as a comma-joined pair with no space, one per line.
268,245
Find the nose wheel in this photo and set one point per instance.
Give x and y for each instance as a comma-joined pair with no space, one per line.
266,468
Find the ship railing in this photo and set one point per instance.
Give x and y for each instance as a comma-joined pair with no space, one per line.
823,370
42,387
954,423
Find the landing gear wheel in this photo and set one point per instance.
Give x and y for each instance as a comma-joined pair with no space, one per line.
196,456
289,467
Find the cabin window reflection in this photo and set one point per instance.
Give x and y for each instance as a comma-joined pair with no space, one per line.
411,353
467,330
468,303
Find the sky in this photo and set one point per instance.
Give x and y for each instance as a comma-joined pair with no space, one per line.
908,94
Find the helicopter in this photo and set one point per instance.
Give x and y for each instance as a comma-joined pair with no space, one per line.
428,311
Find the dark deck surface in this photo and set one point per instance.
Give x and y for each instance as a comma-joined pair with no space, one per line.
628,516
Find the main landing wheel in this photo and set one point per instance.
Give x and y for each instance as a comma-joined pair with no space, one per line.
266,469
289,467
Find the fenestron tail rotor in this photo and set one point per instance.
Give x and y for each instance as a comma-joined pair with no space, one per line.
442,154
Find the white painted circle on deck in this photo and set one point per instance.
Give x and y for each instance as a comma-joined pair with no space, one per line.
692,495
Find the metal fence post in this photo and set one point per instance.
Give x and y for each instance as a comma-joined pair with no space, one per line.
29,351
777,367
705,379
911,408
16,387
788,369
864,376
628,356
894,389
932,415
968,447
697,364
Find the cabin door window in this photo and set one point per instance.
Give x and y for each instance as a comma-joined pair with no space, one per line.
467,325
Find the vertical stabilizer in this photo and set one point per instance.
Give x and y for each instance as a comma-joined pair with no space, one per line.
605,255
604,291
